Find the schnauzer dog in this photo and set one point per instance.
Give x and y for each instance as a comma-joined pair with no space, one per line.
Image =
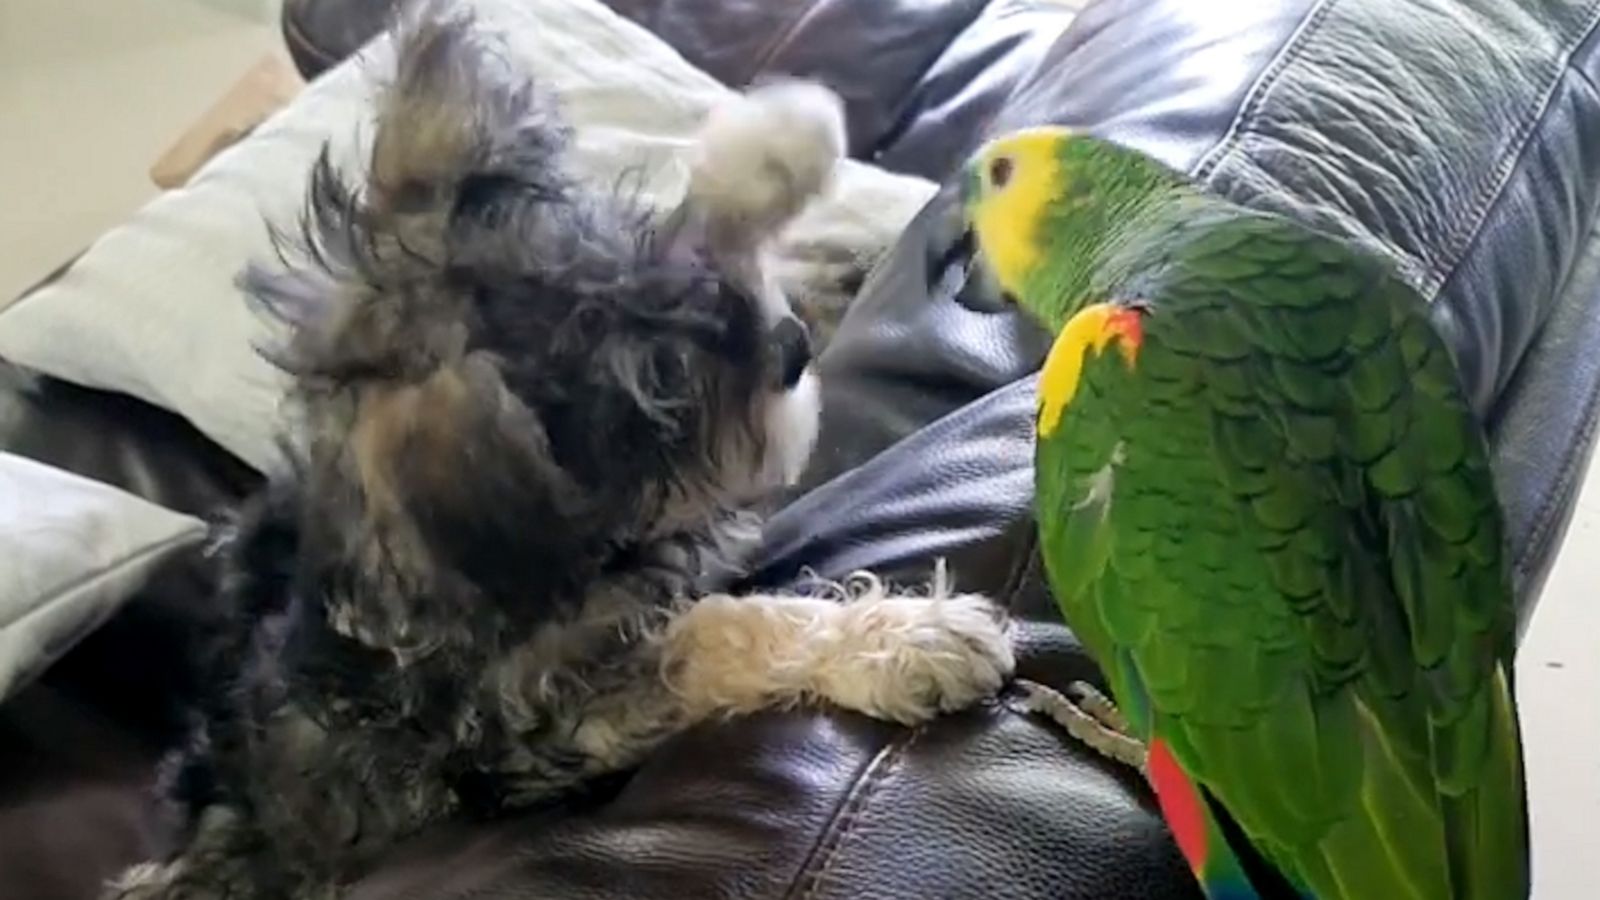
533,418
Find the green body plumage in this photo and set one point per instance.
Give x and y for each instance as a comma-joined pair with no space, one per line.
1272,521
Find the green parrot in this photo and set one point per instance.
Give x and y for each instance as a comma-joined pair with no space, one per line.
1267,511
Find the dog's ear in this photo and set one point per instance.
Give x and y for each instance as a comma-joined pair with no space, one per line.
440,504
456,117
406,422
469,468
758,161
365,281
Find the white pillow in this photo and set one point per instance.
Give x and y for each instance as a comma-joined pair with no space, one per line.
72,551
152,309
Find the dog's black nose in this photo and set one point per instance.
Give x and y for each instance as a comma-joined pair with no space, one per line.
792,343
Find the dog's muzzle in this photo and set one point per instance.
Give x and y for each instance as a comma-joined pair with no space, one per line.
792,343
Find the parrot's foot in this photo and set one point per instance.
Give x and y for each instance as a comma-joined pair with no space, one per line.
1087,715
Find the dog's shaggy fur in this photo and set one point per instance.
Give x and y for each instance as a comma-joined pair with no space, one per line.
532,417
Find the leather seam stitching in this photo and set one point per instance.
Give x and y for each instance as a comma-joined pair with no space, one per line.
900,121
1448,260
812,878
1022,565
781,39
1249,109
294,34
1442,266
1543,520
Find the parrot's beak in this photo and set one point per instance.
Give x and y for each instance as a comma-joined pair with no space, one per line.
955,268
948,240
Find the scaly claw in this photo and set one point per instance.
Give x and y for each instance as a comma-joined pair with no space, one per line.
1089,716
1090,700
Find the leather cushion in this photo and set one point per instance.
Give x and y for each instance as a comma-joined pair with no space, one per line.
874,54
321,33
1309,108
116,439
987,803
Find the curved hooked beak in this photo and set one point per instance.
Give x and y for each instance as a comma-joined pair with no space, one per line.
955,267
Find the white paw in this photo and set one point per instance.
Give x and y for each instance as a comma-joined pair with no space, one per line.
764,155
145,881
908,659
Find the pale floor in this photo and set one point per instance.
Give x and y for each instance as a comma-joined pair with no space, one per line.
92,90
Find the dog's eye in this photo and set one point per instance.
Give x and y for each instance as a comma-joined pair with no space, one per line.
737,327
478,193
733,305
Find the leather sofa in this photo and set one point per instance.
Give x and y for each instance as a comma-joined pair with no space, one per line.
1461,139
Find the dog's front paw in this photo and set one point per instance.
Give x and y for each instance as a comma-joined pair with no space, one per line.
764,155
146,881
908,659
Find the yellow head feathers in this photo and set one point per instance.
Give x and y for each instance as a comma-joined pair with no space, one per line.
1009,186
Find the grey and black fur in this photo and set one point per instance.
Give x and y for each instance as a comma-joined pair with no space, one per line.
532,416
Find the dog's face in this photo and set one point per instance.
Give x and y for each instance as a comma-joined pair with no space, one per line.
514,378
670,378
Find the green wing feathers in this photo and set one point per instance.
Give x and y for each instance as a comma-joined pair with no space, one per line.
1304,563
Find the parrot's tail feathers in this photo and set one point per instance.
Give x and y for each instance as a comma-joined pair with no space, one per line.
1195,825
1265,880
1486,828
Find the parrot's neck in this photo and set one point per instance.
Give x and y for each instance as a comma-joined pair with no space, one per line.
1096,256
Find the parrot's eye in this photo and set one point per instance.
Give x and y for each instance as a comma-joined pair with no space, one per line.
1000,172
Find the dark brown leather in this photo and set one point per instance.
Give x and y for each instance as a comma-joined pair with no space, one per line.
879,55
872,54
72,805
988,803
118,440
318,33
949,108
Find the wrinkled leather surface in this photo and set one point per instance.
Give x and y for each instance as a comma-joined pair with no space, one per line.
947,112
1543,430
904,355
119,440
872,54
1352,116
988,803
1459,138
